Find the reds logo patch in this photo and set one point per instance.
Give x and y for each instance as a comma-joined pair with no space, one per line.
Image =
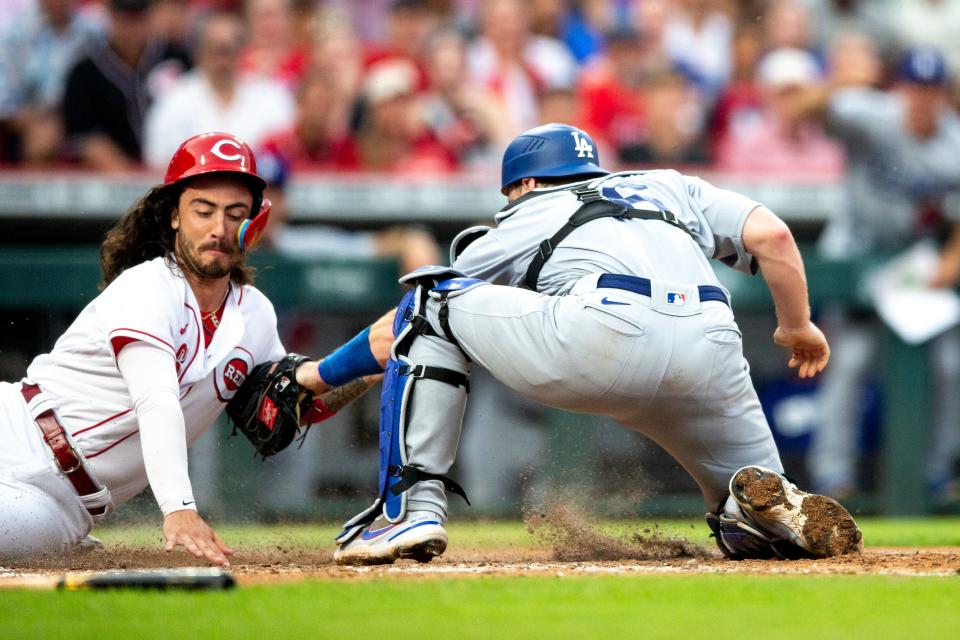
181,357
231,373
234,374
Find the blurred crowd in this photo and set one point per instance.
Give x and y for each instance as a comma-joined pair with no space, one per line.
434,86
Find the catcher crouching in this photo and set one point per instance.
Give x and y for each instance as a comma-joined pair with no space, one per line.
177,334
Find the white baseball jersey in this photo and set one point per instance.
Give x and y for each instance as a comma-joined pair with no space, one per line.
653,249
151,302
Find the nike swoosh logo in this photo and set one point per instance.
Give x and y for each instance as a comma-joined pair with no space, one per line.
413,526
370,535
187,503
184,330
606,300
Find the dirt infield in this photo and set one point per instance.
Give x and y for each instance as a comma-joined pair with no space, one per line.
291,565
563,541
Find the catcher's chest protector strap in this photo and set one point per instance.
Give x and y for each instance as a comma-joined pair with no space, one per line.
594,207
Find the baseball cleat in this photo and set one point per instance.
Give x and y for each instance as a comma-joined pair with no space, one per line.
816,523
88,544
420,536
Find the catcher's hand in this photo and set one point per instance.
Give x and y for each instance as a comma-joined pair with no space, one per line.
809,351
268,406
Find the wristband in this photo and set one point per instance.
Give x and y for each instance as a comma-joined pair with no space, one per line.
351,361
318,413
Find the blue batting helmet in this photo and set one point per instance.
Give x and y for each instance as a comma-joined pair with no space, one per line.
550,151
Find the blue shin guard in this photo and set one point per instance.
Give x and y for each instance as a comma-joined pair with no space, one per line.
396,475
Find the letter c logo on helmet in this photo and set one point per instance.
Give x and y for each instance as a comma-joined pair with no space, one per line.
217,150
550,151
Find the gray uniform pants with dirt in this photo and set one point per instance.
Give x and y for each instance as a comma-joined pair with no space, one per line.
674,373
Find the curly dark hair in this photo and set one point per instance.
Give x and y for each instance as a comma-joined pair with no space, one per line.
145,233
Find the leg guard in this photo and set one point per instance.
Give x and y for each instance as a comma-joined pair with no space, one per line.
418,440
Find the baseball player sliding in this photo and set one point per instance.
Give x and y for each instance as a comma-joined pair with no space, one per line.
150,363
593,294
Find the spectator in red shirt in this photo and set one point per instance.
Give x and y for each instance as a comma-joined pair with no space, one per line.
392,136
739,103
613,105
315,140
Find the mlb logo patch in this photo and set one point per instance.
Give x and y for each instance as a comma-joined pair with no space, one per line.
677,298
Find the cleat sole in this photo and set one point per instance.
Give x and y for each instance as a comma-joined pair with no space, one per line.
423,551
821,525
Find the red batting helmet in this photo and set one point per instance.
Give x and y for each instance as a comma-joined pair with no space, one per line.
223,153
211,153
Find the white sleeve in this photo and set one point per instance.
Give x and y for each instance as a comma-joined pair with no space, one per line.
151,378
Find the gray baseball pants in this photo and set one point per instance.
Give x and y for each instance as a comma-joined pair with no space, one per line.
673,373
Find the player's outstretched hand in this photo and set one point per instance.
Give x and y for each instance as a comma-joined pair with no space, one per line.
188,529
809,351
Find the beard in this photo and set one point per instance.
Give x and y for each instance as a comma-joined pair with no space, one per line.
191,258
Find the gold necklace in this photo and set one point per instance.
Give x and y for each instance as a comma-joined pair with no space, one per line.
211,316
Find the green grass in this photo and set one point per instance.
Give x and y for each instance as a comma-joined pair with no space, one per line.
811,608
878,532
582,607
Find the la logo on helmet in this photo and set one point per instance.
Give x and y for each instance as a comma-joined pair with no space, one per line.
583,148
218,151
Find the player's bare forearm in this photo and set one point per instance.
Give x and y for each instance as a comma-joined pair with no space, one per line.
770,241
339,397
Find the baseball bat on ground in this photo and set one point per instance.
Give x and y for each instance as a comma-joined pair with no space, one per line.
193,579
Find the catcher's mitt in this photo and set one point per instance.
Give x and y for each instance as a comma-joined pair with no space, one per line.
268,405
